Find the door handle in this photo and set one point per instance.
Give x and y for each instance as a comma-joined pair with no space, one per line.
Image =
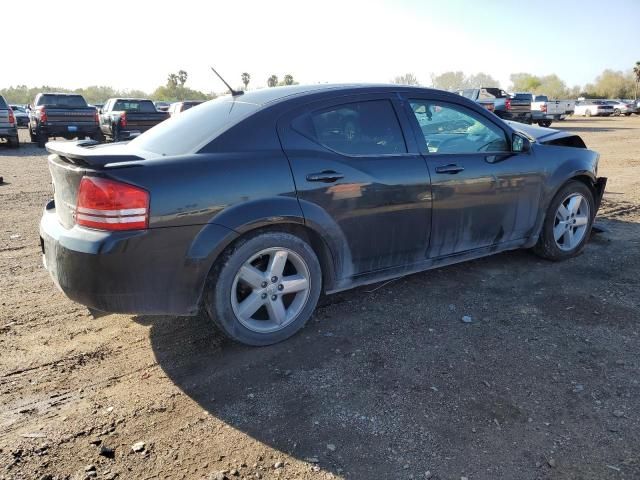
328,176
451,168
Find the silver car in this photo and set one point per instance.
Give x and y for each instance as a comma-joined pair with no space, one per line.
622,107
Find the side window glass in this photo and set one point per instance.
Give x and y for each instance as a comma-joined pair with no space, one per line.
449,128
361,128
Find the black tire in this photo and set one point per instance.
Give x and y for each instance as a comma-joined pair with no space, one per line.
98,136
218,291
628,114
544,123
33,136
617,112
13,142
546,246
115,134
41,138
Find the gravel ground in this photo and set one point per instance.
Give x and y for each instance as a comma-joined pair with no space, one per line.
386,382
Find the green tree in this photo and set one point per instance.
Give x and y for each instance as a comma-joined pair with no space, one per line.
406,79
449,81
614,84
636,74
272,81
172,80
182,77
288,79
246,78
481,79
524,82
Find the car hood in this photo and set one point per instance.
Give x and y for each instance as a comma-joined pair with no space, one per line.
548,136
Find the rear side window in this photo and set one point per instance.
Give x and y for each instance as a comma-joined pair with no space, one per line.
361,128
141,106
3,104
62,101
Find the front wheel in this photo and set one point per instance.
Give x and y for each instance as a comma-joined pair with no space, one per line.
264,289
617,112
567,224
587,113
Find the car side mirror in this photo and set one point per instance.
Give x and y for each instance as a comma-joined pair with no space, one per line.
520,143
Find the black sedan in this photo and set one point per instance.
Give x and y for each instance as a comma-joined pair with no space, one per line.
250,206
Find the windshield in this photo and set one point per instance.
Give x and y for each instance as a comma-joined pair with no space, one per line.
192,130
63,101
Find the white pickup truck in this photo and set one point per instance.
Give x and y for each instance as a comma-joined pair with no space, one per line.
544,111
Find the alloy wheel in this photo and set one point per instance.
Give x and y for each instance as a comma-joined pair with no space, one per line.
571,222
270,290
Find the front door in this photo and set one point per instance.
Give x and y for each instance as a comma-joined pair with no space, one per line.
483,194
350,162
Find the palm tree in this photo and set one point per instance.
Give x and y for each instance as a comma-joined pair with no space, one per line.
172,80
182,77
636,72
246,78
272,81
288,79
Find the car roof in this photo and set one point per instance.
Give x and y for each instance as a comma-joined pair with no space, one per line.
131,99
265,96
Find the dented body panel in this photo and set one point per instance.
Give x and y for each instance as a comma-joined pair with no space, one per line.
383,216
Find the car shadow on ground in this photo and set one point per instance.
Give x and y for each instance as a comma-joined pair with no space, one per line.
387,381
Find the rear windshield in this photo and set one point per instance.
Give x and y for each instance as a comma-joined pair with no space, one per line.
192,130
70,101
541,98
522,96
3,104
142,106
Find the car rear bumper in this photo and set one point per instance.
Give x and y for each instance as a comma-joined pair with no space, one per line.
155,271
516,117
8,132
65,130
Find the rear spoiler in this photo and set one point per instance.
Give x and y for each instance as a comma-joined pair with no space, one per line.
83,152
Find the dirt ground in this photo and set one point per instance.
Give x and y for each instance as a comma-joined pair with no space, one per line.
386,382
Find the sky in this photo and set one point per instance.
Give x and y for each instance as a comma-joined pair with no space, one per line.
135,44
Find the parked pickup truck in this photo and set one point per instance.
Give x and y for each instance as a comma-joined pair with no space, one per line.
545,111
8,127
62,115
506,106
126,118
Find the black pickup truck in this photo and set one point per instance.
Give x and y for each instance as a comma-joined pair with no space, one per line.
62,115
508,107
126,118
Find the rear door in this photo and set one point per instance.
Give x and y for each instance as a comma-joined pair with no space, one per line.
353,171
483,194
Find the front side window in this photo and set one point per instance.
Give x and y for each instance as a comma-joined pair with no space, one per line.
361,128
449,128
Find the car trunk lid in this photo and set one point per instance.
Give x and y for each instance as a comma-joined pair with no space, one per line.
70,161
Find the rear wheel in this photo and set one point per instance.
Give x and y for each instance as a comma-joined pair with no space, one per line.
41,138
544,123
264,289
13,142
617,112
567,224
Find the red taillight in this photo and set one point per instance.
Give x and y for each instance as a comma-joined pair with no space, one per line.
110,205
507,104
96,117
123,119
43,114
12,117
543,108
